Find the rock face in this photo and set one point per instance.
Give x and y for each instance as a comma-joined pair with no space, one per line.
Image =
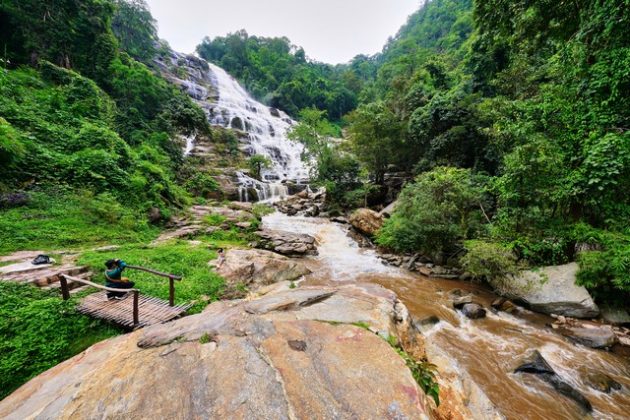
286,243
271,358
535,363
558,293
255,267
366,221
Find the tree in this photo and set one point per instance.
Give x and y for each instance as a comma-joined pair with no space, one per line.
135,29
377,138
258,163
436,212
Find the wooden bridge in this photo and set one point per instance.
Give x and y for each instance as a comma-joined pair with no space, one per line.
135,311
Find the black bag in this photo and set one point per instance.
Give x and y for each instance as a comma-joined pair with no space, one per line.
41,259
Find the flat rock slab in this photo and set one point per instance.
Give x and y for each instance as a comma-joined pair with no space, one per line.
255,267
287,243
229,363
22,267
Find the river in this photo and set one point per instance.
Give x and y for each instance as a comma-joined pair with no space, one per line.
487,349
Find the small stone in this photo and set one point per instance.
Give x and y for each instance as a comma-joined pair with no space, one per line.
473,311
297,345
602,382
460,301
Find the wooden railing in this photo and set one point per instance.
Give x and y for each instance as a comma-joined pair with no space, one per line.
171,281
65,291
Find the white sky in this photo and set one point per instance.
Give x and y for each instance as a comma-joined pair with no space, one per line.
332,31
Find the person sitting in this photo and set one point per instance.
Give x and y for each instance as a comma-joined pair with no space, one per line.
114,279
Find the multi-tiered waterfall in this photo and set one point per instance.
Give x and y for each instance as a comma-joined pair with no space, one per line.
263,129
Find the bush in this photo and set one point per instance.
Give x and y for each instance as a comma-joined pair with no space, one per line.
38,330
605,269
436,212
492,262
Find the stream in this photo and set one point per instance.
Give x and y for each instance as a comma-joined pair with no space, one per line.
487,349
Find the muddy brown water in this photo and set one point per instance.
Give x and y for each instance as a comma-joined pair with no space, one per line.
488,349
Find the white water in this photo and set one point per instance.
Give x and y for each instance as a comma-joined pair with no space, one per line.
487,349
267,133
190,144
264,129
339,254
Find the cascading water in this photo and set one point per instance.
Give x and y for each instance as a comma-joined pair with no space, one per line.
267,132
228,105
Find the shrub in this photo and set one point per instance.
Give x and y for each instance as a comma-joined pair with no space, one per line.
436,212
492,262
39,330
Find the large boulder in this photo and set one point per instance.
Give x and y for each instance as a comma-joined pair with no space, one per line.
552,290
286,243
536,364
255,267
293,354
366,221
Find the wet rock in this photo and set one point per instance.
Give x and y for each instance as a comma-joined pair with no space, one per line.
473,311
237,124
274,112
460,301
590,336
552,290
339,219
366,221
602,382
536,364
255,267
425,323
279,364
286,243
503,304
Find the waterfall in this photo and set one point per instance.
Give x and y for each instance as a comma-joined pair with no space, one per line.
266,130
263,129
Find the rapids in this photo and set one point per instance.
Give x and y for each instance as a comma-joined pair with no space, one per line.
487,349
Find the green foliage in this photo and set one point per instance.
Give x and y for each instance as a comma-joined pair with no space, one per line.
258,163
492,262
38,330
605,264
436,212
422,371
179,258
135,29
279,73
57,219
334,169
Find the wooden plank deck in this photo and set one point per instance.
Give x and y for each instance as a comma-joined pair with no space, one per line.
151,309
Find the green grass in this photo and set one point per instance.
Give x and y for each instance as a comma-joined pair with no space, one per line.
200,283
70,221
38,330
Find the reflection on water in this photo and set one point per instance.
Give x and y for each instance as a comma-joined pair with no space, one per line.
488,349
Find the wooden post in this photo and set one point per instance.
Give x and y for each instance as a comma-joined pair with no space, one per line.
65,292
171,291
136,320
